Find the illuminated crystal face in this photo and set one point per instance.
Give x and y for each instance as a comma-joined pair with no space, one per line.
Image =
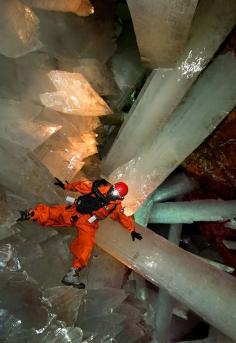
79,7
74,95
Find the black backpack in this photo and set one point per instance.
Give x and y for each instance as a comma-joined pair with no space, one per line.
93,201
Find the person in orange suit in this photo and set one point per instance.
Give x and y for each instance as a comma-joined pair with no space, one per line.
99,200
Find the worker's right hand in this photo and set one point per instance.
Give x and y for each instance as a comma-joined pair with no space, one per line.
59,183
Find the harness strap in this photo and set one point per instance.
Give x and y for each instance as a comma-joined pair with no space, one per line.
111,210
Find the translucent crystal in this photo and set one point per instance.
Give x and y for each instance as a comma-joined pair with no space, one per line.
19,29
97,74
74,95
28,134
91,37
23,300
30,180
62,158
65,151
79,7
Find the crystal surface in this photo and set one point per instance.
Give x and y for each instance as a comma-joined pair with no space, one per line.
165,89
191,211
19,29
157,260
32,182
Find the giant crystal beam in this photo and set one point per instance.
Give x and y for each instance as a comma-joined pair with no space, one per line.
174,186
193,211
166,88
207,104
202,288
168,21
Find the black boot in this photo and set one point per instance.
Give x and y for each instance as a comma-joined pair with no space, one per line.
72,279
24,215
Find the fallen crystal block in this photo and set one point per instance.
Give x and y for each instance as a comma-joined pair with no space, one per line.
19,29
23,299
101,302
96,276
65,302
102,326
74,95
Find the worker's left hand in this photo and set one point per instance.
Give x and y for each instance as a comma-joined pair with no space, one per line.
136,235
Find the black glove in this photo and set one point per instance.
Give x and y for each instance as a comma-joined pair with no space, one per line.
59,183
136,235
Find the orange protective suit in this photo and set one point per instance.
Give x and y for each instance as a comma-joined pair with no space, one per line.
63,215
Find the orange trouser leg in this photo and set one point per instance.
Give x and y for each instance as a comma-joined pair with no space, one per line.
83,245
52,215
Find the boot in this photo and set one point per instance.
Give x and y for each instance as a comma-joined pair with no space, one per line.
72,279
24,215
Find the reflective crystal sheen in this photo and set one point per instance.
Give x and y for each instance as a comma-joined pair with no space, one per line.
190,124
192,211
158,260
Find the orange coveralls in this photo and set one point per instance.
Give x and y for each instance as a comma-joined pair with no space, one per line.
61,216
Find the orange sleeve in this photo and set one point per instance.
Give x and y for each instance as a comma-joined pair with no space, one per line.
125,221
83,187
